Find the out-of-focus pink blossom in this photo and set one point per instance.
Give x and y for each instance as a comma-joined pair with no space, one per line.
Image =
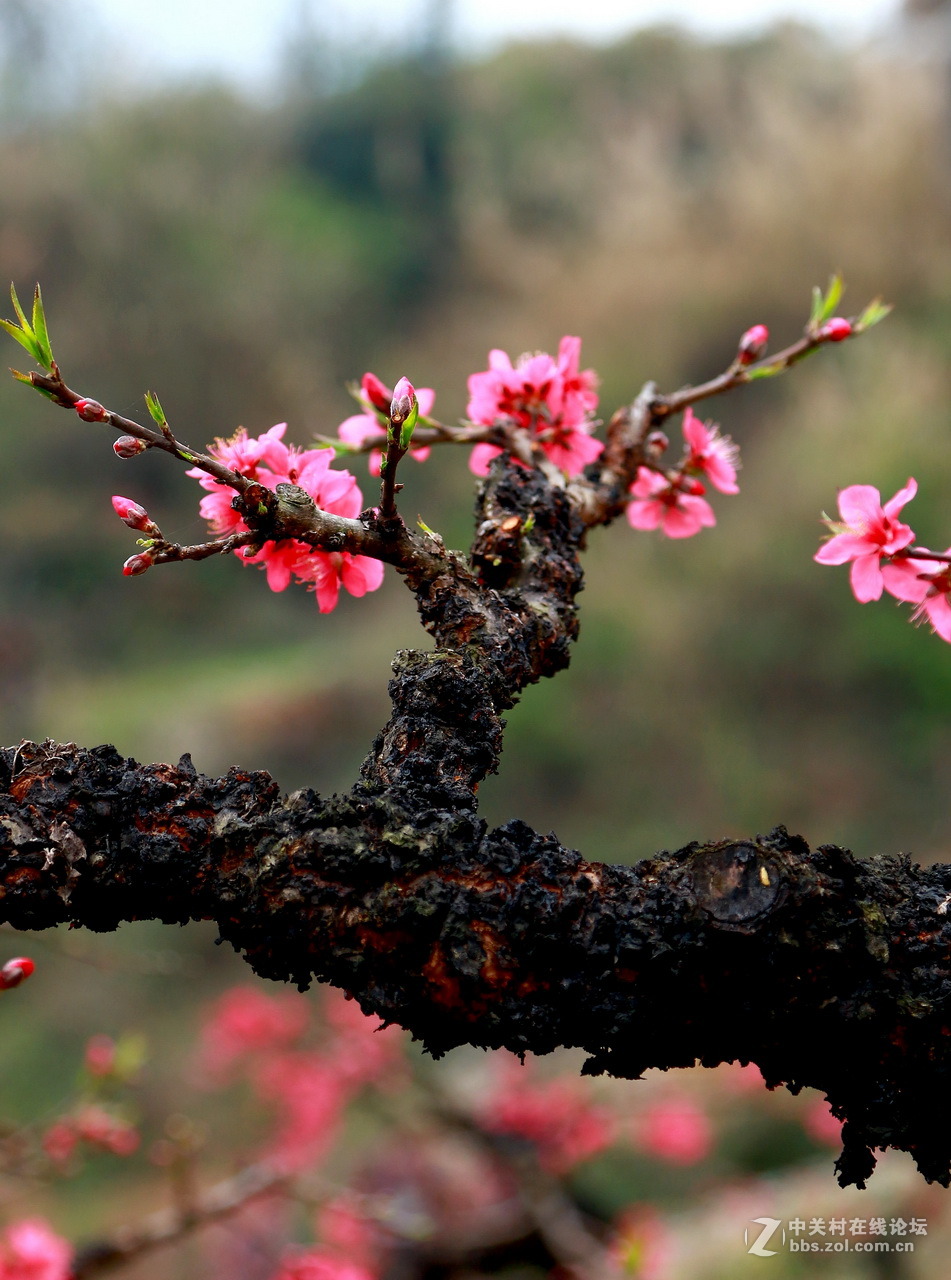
59,1142
349,1233
867,532
270,462
821,1124
664,505
554,1115
246,1021
552,399
99,1058
30,1250
676,1130
319,1264
643,1246
362,1050
360,427
101,1129
711,454
310,1096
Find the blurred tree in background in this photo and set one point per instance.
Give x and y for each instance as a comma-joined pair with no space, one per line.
246,259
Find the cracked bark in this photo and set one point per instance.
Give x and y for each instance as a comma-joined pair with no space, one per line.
824,970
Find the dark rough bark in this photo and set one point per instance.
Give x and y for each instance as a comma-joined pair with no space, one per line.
824,970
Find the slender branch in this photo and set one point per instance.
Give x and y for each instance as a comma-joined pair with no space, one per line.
739,375
64,396
168,1226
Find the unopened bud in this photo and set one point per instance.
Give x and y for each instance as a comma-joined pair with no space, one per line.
137,564
91,411
134,516
128,446
656,443
696,488
752,344
374,390
404,397
836,330
15,971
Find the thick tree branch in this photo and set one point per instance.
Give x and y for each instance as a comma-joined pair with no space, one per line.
824,970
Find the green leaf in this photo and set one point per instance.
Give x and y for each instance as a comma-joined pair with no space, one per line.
875,312
764,371
19,310
40,331
409,426
816,311
155,409
833,296
25,339
824,305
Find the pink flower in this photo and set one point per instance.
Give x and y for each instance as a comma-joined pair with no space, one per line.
661,504
270,462
926,584
550,399
868,531
676,1131
31,1251
377,399
711,454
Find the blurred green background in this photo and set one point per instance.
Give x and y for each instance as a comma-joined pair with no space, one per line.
246,258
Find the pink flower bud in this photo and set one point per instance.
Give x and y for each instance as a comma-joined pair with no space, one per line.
694,487
404,395
137,564
15,971
128,446
657,443
133,515
752,344
836,329
91,411
374,390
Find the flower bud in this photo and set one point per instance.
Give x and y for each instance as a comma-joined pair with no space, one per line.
836,329
15,971
137,564
694,487
752,344
135,517
91,411
404,397
129,446
656,444
374,390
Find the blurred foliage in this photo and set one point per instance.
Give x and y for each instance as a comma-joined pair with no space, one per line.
656,196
